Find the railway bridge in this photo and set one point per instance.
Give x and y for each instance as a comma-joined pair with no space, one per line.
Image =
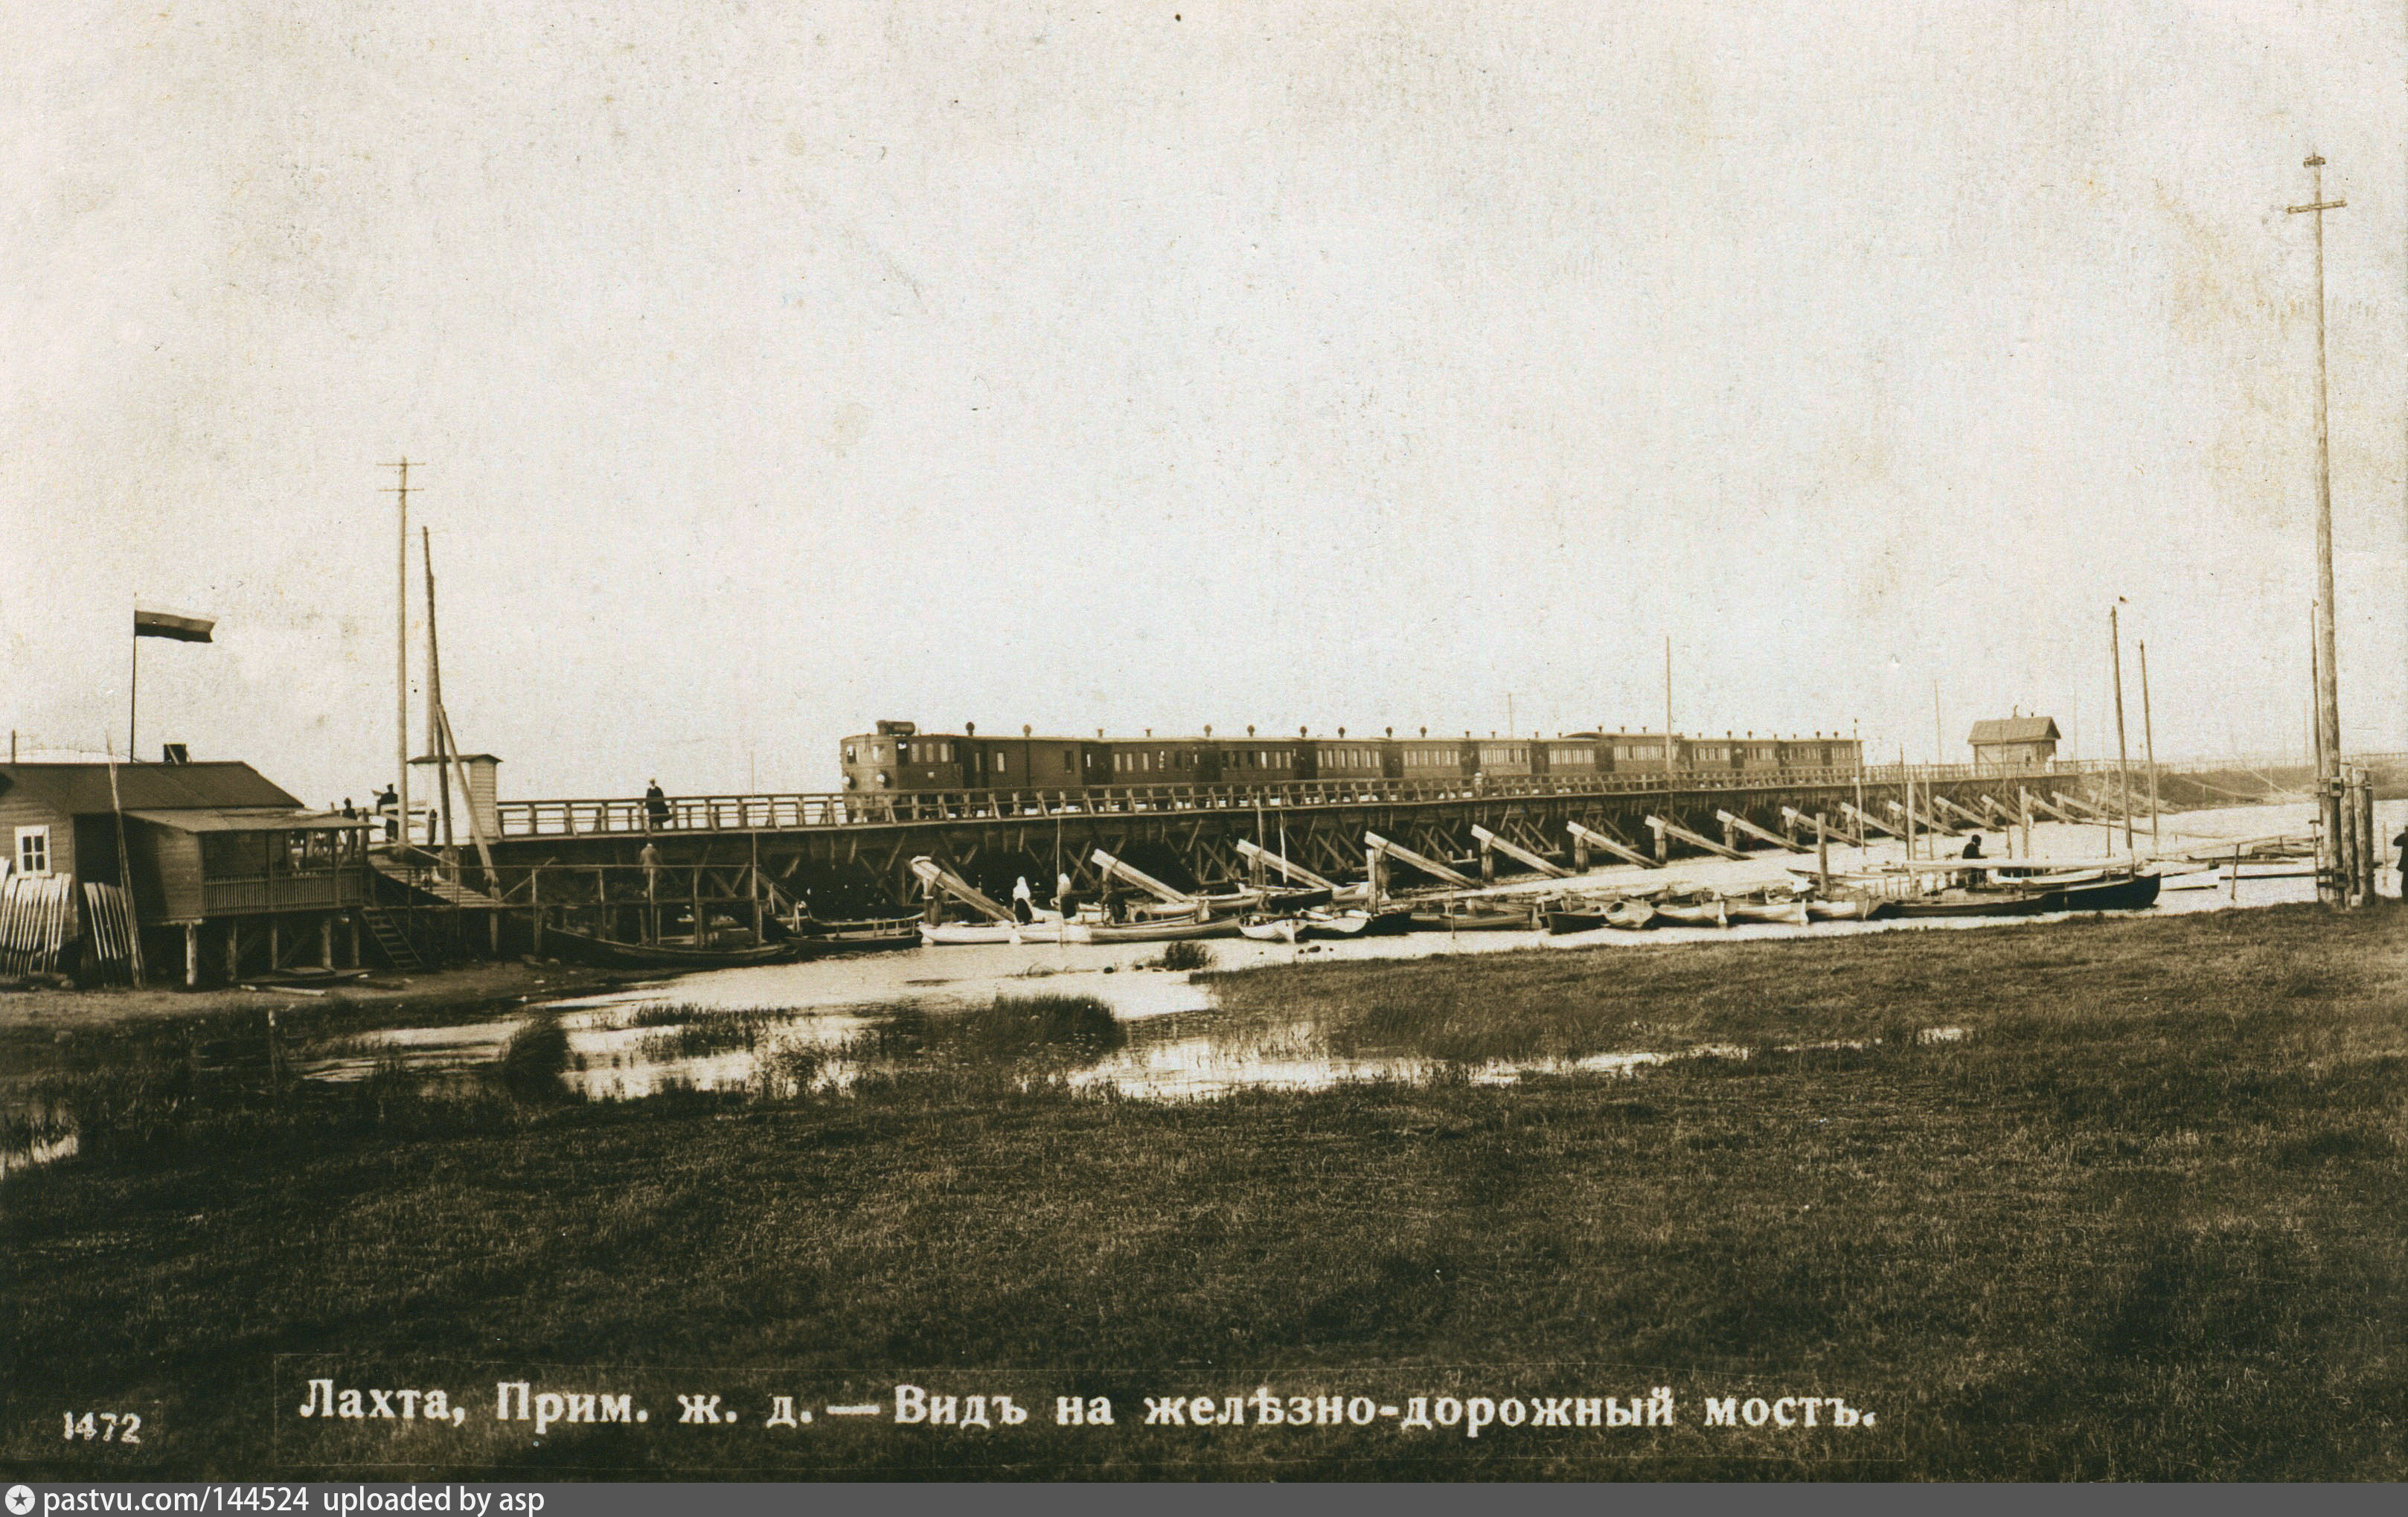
595,862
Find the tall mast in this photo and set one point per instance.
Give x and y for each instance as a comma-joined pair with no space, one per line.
2123,762
2328,683
401,646
2149,742
1667,710
437,726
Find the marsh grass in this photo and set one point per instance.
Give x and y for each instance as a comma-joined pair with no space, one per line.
2141,1222
1182,956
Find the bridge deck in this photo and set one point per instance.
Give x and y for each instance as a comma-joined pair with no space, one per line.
816,811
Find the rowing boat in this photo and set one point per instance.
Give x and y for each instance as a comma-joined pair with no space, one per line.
1981,904
940,933
818,939
1630,916
666,954
1782,912
1156,932
1489,920
1692,913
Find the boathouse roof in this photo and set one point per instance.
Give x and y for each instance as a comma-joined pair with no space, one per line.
82,790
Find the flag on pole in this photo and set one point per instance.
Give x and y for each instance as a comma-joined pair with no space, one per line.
165,624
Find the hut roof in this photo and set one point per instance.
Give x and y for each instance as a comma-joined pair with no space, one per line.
81,789
2017,729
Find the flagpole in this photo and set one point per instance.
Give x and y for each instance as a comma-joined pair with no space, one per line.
134,689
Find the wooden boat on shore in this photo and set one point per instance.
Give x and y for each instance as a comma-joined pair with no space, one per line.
1184,931
1780,912
1477,919
2134,893
1692,913
661,954
1587,919
1052,930
1981,904
870,934
1630,916
1849,909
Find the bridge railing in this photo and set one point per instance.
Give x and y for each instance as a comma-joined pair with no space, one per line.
623,816
808,810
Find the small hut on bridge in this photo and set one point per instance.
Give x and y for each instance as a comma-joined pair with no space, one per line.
2008,744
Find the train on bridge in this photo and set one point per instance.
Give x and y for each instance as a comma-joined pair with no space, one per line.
896,756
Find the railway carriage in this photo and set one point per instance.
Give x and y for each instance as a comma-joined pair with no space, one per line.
897,757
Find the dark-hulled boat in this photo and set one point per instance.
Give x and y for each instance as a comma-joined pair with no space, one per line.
1981,904
603,950
2134,893
816,939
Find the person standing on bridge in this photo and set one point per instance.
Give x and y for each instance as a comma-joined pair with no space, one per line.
656,808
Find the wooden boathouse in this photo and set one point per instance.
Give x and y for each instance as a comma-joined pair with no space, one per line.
230,873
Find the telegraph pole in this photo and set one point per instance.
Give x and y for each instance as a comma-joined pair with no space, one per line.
2328,883
401,650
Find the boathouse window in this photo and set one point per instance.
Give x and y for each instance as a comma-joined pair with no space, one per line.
1069,765
1001,762
34,851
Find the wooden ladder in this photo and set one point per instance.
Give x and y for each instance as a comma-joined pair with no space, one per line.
391,940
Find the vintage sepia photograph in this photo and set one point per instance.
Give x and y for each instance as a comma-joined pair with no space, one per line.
1176,740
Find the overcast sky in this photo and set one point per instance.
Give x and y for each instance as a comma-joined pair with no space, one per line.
778,368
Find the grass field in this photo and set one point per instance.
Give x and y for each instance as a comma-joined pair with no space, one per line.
2142,1220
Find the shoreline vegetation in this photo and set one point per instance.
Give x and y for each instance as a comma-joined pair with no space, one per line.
2136,1218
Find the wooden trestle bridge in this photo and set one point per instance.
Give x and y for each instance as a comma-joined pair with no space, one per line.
613,866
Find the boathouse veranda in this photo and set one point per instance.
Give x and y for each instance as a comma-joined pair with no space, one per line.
230,874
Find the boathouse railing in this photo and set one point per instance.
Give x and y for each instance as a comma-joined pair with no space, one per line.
622,815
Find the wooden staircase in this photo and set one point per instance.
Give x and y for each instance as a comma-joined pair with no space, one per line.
391,940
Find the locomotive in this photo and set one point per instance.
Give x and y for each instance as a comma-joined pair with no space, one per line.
897,757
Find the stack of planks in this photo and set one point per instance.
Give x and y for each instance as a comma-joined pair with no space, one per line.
38,920
112,921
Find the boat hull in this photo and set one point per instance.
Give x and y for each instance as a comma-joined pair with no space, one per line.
1677,914
2137,893
1784,913
1483,921
1160,932
663,954
2001,905
945,933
